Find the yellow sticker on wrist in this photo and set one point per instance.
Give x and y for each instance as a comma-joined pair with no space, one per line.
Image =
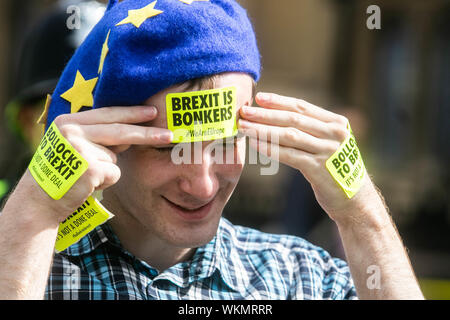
202,115
87,217
346,165
56,165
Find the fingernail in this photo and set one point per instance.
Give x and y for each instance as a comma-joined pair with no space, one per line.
150,111
249,110
166,136
263,96
243,123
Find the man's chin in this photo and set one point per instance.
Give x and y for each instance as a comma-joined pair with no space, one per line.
193,236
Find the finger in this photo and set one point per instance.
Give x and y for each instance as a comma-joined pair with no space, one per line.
275,101
288,137
111,174
292,157
126,134
120,148
100,174
285,118
135,114
92,151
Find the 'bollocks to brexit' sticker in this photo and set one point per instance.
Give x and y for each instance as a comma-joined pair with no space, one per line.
88,216
56,165
202,115
346,165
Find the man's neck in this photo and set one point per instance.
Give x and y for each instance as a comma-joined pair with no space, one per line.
148,248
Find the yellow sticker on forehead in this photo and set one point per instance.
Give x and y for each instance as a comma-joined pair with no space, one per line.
202,115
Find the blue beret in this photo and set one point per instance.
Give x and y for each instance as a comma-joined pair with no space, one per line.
141,47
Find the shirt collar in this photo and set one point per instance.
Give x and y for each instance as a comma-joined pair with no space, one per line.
219,255
100,235
229,258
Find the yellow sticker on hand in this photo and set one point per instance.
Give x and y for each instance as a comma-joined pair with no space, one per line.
202,115
87,217
346,166
56,165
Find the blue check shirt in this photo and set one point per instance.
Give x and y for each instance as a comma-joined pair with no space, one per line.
238,263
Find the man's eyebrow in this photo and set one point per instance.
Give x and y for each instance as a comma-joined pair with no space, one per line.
165,146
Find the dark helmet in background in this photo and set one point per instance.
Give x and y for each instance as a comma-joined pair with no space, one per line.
45,51
51,43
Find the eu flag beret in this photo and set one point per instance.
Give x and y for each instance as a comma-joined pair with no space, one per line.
141,47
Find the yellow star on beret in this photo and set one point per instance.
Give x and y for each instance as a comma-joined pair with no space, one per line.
80,95
138,16
105,51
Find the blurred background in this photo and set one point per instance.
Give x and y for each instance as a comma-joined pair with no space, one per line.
392,83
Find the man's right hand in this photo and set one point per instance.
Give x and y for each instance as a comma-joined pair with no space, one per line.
29,221
99,135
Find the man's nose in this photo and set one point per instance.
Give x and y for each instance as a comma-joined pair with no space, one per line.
199,179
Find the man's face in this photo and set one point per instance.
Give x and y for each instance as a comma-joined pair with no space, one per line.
180,205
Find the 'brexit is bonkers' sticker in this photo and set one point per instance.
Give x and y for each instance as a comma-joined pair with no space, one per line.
202,115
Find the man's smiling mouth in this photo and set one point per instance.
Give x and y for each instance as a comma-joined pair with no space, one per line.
187,207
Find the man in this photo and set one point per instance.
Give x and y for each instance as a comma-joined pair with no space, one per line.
167,239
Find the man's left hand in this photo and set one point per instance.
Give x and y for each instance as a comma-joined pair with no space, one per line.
306,137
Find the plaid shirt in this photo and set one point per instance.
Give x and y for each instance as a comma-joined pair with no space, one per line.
239,263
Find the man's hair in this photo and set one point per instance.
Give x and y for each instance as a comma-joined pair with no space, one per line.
209,82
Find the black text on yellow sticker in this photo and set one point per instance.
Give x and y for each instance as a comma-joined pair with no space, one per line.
347,166
202,115
56,165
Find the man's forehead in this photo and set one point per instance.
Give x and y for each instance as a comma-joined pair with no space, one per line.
159,102
242,82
